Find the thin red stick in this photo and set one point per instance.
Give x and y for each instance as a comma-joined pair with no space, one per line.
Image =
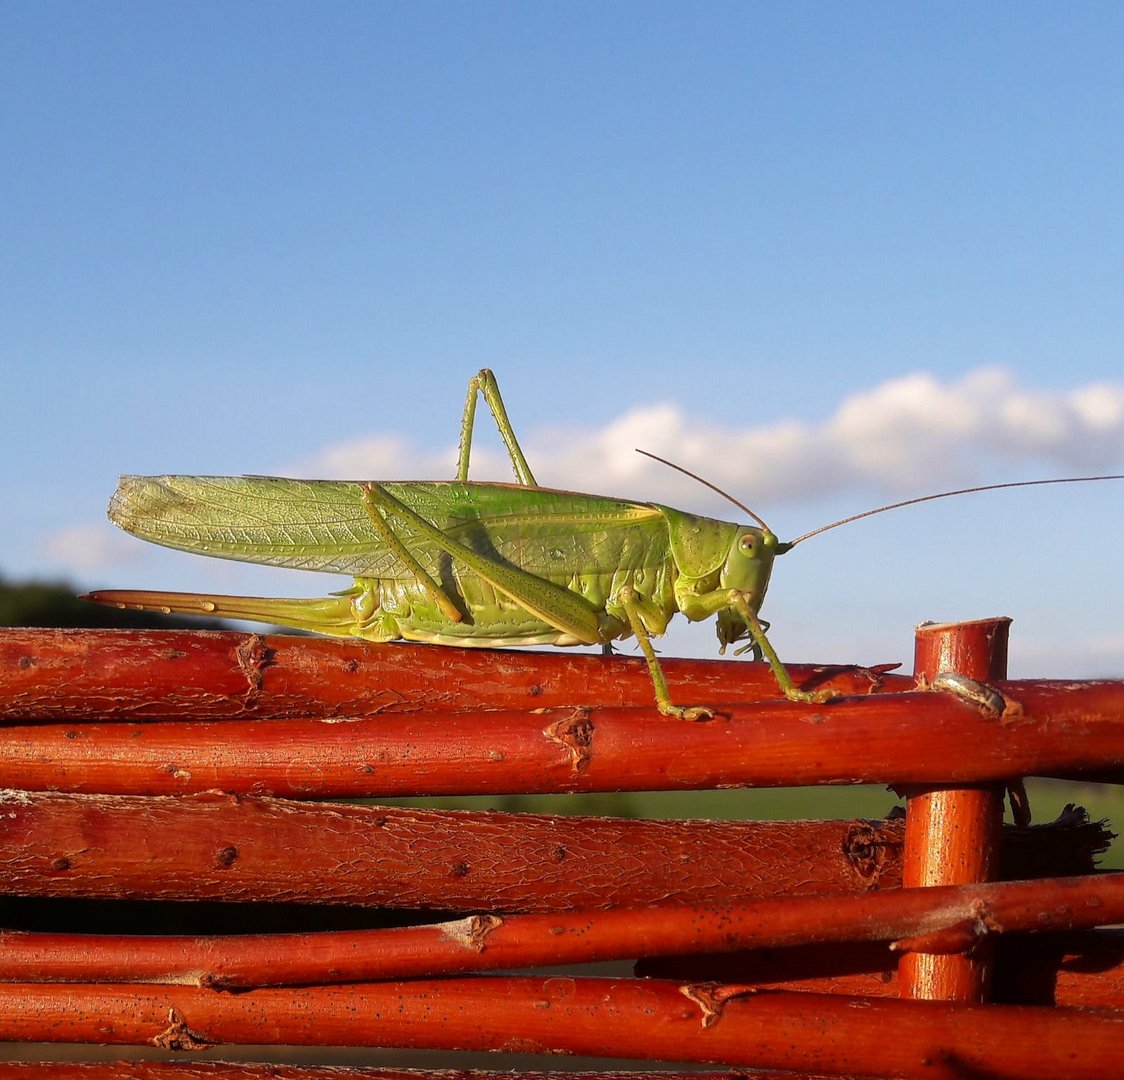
952,834
939,919
1082,968
217,847
888,738
623,1018
208,675
221,1070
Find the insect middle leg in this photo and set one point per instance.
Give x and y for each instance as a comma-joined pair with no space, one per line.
645,619
484,383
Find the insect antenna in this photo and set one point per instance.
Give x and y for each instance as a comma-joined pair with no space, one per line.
706,483
948,495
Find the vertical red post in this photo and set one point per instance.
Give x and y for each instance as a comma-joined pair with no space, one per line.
952,834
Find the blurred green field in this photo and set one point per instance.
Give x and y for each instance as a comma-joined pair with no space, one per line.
1047,799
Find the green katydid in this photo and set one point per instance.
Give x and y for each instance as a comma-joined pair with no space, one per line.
472,564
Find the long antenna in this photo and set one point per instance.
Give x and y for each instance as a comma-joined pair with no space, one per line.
707,484
947,495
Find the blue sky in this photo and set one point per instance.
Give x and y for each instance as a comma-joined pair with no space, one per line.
829,256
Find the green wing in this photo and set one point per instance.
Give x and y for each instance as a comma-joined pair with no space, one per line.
323,525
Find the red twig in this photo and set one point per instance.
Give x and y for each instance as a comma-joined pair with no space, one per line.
890,738
937,920
1083,968
140,675
625,1018
218,847
180,1070
952,834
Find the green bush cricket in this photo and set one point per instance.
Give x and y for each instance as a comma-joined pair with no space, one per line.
464,563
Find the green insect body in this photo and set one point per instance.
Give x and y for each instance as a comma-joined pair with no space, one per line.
589,569
463,563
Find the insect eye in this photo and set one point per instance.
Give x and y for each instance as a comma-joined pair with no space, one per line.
747,544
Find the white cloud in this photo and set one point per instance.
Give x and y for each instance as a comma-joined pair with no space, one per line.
372,456
909,435
1094,657
1100,407
87,549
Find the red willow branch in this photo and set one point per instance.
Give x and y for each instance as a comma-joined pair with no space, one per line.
887,738
141,675
1080,968
217,847
953,835
622,1018
940,919
221,1070
224,848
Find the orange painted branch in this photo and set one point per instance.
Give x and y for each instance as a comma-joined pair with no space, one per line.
888,738
143,675
221,848
952,834
940,919
625,1018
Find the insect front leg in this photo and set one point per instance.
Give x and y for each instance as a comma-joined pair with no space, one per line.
780,672
484,382
697,606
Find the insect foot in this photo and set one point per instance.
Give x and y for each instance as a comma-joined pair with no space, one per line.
688,712
812,697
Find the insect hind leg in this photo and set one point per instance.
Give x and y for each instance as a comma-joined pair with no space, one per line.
377,502
484,383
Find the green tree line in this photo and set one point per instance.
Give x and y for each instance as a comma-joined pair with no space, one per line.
56,604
